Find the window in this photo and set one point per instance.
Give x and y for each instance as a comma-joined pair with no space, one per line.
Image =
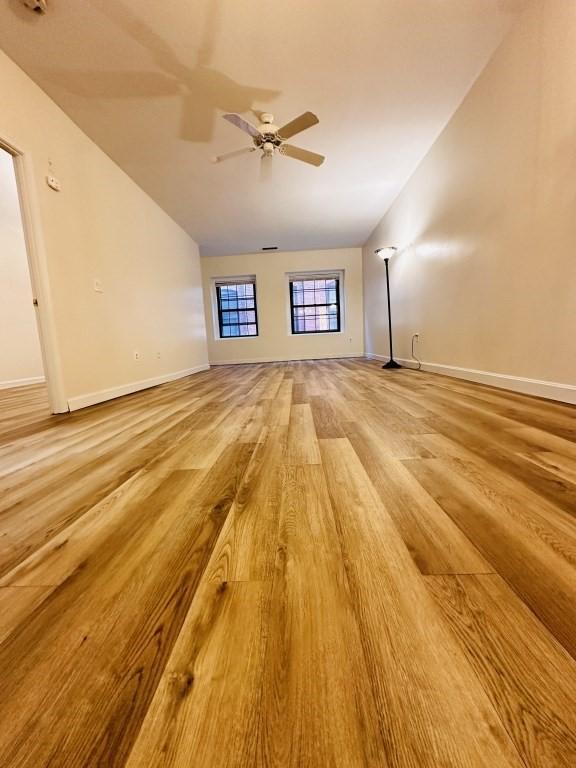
236,302
315,304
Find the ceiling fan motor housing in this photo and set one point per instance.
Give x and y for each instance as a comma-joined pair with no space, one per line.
268,140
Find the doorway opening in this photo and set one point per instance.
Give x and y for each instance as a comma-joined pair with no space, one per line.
27,342
21,361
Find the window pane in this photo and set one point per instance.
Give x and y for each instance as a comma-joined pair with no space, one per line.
315,305
237,309
310,324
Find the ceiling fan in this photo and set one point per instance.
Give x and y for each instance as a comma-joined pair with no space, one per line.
270,139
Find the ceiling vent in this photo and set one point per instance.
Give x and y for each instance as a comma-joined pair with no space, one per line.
270,248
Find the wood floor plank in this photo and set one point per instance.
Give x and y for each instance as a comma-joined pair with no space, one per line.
537,559
58,558
417,674
436,543
301,444
326,420
16,604
205,711
233,569
546,441
314,659
246,548
560,465
114,621
529,678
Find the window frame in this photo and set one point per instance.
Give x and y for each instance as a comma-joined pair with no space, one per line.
220,283
303,277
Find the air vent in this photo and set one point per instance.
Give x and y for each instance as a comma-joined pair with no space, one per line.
270,248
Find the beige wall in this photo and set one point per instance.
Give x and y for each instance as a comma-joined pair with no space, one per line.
20,357
102,226
275,341
487,224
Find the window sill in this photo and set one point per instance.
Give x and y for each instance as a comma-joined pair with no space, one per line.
317,333
234,338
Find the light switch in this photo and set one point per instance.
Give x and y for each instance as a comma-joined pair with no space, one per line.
98,285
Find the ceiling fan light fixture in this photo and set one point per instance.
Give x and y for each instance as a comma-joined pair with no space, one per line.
268,138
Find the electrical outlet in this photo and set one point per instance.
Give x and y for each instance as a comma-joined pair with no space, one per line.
158,355
137,355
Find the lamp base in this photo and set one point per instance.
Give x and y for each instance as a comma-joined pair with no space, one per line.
391,364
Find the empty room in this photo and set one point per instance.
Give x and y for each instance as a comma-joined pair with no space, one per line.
288,384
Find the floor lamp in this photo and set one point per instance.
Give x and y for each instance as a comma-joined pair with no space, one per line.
385,254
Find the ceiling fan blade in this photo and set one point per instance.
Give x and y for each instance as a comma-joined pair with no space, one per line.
228,155
244,125
299,124
302,154
266,167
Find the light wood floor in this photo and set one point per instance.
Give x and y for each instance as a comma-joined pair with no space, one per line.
292,565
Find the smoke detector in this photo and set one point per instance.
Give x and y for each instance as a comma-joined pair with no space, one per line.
38,6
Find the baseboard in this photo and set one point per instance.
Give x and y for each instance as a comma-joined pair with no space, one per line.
22,382
564,393
248,360
92,398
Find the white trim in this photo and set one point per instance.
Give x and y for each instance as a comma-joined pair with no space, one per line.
234,280
38,268
92,398
336,274
551,390
247,360
22,382
230,280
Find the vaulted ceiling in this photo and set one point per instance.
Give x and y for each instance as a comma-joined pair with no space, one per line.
149,81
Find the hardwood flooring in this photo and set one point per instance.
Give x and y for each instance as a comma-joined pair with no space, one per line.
294,565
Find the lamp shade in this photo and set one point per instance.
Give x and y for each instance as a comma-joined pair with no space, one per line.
386,252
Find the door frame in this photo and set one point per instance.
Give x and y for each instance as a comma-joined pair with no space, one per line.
39,275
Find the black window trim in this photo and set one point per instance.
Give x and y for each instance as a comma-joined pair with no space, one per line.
221,283
314,276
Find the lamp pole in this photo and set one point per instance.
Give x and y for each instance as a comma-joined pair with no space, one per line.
385,254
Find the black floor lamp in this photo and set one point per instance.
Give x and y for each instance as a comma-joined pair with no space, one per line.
385,254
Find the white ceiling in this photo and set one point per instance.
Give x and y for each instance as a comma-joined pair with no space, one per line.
148,80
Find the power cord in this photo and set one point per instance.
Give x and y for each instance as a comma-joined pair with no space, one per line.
414,337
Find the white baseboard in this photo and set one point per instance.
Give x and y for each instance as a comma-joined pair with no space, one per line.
551,390
22,382
248,360
92,398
